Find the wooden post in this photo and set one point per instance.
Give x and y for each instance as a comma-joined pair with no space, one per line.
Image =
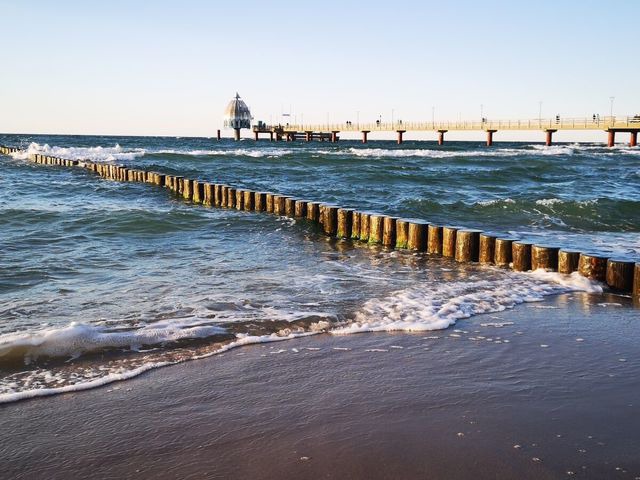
389,231
179,185
434,239
231,197
467,245
402,233
620,275
208,194
543,256
449,241
636,281
249,198
521,253
330,219
568,261
290,207
313,211
364,226
239,199
345,222
504,252
487,252
301,209
279,204
198,191
260,201
269,208
417,236
593,266
187,189
375,228
355,225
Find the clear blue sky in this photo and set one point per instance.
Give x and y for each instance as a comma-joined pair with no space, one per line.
169,68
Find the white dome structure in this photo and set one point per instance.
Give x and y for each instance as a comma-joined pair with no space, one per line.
237,115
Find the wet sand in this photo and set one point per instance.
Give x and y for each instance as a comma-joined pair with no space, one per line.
552,393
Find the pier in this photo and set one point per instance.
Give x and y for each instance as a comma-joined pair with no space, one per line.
611,125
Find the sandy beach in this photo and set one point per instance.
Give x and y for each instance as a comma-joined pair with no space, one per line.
547,390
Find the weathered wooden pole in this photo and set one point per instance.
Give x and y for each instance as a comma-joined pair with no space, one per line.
544,256
216,199
355,225
301,209
418,236
290,207
208,194
434,239
345,222
239,199
389,231
620,275
521,256
467,245
269,208
279,204
504,252
449,241
402,233
330,219
187,189
365,224
313,211
636,281
231,197
260,201
249,200
487,249
224,192
375,228
568,261
593,266
198,191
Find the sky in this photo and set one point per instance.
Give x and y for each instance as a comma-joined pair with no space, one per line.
170,68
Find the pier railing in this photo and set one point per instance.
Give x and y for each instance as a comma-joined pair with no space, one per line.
556,123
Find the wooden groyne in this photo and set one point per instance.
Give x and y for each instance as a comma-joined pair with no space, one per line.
462,245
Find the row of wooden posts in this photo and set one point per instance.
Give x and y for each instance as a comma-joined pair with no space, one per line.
461,244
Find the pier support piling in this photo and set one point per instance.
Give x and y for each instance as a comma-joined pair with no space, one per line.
334,136
236,133
611,138
549,137
400,132
441,136
633,141
490,137
364,135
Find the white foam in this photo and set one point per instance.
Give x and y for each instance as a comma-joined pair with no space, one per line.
237,152
95,154
115,377
436,306
75,339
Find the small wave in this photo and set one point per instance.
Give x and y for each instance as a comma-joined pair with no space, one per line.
95,154
76,339
238,152
438,306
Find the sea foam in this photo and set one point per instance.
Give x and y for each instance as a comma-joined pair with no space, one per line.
95,154
436,306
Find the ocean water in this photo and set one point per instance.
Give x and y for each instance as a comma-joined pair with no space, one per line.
101,280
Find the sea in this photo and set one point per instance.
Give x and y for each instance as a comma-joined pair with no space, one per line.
101,280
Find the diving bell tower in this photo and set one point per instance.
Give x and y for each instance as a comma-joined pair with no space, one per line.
237,116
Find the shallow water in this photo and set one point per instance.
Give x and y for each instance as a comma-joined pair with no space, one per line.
101,280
